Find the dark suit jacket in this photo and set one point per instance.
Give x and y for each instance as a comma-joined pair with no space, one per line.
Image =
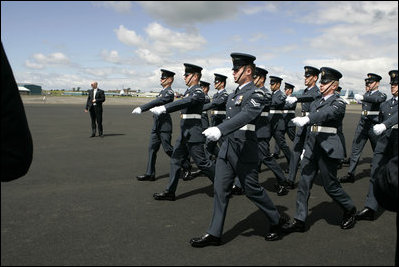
100,98
16,139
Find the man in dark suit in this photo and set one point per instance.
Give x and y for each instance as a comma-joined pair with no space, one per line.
238,154
323,152
16,139
94,104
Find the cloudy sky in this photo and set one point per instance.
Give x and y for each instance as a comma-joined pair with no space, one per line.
61,45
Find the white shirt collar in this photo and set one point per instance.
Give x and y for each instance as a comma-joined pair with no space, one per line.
327,97
242,86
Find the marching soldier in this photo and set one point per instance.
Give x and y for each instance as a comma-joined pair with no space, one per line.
386,147
191,141
371,102
310,94
238,154
204,114
161,132
289,114
218,113
323,150
263,134
276,116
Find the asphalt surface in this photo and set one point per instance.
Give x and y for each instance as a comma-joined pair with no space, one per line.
80,204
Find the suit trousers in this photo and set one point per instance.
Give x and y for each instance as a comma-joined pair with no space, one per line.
156,139
226,171
96,115
279,137
181,152
290,131
362,134
328,177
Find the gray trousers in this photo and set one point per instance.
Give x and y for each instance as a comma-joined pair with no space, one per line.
266,158
296,152
226,171
328,176
181,152
363,133
156,139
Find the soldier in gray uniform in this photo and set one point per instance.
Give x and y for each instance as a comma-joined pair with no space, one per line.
276,116
218,113
161,132
191,141
310,94
289,114
238,154
263,134
204,116
323,151
386,147
371,102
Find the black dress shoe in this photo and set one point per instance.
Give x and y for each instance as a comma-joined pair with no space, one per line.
164,196
275,155
146,177
349,178
206,240
366,214
295,226
235,190
282,190
186,175
349,219
346,161
275,232
92,135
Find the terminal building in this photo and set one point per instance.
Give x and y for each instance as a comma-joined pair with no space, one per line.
29,89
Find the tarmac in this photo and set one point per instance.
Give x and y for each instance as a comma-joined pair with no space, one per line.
80,203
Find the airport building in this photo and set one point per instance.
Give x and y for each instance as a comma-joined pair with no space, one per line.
30,89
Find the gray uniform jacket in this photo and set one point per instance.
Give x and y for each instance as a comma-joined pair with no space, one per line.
263,124
204,115
289,116
330,113
278,102
192,103
308,96
162,122
389,115
218,104
243,107
372,102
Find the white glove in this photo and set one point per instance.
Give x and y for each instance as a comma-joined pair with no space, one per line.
158,110
136,110
379,128
291,99
300,121
358,97
212,133
303,154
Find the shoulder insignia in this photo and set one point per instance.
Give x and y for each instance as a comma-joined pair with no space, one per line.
260,91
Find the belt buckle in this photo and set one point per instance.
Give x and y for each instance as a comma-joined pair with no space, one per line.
181,116
365,112
303,113
314,128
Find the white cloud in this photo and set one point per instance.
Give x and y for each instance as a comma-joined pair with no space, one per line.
188,13
118,6
41,61
111,56
129,37
149,57
266,7
33,65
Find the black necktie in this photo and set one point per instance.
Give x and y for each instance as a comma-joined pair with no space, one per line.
393,101
322,101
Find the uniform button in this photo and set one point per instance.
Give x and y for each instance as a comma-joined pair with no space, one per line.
229,107
228,117
232,99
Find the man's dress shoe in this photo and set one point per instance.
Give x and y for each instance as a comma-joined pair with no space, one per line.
349,219
164,196
275,231
92,135
205,240
295,226
366,214
282,190
146,177
235,190
186,175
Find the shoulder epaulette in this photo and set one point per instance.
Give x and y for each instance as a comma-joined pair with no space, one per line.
259,91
